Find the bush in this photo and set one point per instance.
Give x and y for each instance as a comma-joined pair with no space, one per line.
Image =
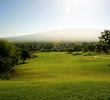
9,56
24,55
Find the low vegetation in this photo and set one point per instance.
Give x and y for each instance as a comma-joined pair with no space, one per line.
57,71
9,57
58,75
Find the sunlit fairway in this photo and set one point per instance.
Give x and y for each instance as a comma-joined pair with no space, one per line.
55,67
59,76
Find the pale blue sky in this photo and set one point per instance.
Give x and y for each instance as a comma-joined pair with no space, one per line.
19,17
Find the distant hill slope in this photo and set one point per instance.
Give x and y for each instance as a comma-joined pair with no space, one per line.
75,35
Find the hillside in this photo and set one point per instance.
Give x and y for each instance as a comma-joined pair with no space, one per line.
59,76
76,35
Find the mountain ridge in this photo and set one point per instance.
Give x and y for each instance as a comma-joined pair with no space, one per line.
75,35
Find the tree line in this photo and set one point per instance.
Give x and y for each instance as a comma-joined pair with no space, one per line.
12,53
102,46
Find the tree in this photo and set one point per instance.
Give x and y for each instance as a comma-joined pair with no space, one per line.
24,55
8,58
105,40
91,47
84,47
77,48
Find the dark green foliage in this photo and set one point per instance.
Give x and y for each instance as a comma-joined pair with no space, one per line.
9,56
70,51
84,47
91,47
105,40
77,48
24,55
88,47
105,37
99,47
68,47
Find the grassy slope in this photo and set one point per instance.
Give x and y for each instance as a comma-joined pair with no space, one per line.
59,76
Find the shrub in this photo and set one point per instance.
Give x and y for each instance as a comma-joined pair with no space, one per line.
9,56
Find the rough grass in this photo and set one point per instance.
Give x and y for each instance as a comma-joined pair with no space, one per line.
59,76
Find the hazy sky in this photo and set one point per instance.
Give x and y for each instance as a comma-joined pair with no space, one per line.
32,16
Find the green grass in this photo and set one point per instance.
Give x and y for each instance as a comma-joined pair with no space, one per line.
59,76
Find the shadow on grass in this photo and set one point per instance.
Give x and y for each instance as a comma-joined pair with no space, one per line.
88,54
109,65
76,54
23,63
